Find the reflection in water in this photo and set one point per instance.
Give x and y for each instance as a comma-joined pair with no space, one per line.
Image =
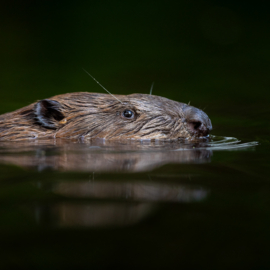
101,156
109,202
113,203
138,191
101,215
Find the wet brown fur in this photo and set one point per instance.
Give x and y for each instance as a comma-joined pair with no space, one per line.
95,115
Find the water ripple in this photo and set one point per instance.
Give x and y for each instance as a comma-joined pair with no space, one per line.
228,143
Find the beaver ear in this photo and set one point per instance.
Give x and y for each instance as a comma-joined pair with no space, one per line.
48,113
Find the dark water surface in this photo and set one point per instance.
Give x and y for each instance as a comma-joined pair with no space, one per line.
138,204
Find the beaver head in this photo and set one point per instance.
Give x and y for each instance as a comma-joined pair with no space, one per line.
93,115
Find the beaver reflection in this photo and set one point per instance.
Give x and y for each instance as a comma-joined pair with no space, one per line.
101,156
104,200
114,203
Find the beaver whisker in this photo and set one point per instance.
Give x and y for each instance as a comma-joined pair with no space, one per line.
101,85
151,88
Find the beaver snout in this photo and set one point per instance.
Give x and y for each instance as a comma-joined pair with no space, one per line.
198,123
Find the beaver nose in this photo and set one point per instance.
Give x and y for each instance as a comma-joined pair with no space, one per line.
198,123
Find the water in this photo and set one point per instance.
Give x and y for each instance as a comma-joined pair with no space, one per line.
134,197
103,156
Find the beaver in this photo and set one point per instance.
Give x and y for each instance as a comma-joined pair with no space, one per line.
85,115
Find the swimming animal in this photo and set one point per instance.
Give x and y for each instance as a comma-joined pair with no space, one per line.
84,115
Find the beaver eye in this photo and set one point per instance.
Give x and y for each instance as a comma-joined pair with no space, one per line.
128,114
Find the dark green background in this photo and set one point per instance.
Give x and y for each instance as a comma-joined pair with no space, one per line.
212,53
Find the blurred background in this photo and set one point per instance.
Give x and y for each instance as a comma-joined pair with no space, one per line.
214,54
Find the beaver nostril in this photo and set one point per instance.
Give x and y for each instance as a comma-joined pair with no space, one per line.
196,125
